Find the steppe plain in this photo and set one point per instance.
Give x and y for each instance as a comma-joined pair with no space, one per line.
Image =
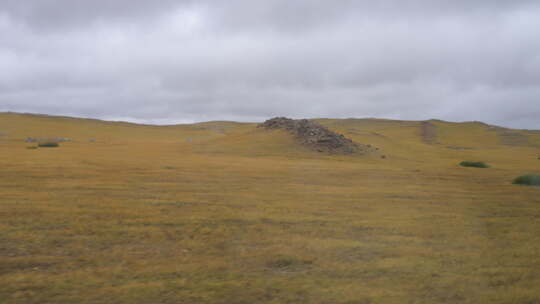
225,212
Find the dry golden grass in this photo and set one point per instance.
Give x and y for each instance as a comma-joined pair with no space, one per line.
227,213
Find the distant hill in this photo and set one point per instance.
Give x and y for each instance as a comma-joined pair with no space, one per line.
395,137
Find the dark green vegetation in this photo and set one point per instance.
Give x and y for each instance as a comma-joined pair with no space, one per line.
530,180
475,164
48,144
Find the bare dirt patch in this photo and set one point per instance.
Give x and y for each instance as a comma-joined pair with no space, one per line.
428,132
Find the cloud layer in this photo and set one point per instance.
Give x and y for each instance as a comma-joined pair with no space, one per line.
180,61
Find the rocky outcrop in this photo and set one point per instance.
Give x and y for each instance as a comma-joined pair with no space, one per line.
316,136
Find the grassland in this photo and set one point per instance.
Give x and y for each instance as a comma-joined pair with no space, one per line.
224,212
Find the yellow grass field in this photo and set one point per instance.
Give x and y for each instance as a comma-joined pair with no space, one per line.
224,212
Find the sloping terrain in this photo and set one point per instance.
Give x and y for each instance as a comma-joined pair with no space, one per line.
225,212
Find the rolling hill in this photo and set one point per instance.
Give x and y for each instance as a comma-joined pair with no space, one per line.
225,212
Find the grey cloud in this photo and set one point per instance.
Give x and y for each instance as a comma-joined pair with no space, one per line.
59,14
245,60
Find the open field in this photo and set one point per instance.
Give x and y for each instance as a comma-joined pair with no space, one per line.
223,212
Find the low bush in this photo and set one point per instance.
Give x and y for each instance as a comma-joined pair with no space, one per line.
48,144
475,164
531,180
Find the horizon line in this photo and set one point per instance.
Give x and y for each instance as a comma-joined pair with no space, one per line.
139,121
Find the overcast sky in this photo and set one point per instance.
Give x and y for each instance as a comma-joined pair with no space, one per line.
247,60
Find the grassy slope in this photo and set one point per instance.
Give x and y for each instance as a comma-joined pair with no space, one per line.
227,213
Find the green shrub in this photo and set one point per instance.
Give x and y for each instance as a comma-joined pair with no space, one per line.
531,180
48,144
475,164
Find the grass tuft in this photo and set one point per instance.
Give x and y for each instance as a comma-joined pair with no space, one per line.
530,180
48,144
475,164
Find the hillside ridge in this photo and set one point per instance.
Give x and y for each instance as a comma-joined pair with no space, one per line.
317,119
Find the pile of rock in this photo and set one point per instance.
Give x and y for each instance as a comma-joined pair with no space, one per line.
315,136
